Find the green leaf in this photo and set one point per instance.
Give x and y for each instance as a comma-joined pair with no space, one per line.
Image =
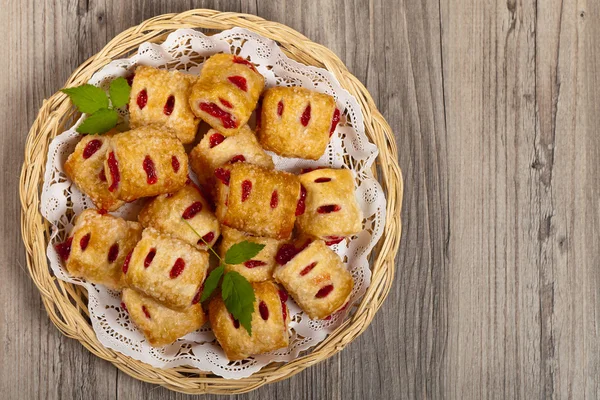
238,296
99,122
243,251
87,98
119,92
212,282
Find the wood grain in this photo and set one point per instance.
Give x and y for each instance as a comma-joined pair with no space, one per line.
494,107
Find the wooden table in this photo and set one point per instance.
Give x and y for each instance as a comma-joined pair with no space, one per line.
495,107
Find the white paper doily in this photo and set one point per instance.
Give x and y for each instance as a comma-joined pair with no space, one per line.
186,49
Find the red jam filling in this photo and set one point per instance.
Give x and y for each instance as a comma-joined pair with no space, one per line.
130,79
145,310
175,164
192,210
113,253
124,307
215,139
209,237
305,118
102,175
215,111
149,258
240,82
177,268
310,169
126,262
274,199
142,99
280,108
331,240
307,269
150,170
285,253
169,105
240,60
329,208
113,167
238,158
324,291
322,180
246,189
223,175
83,243
301,205
264,310
254,263
102,211
334,121
64,249
197,296
283,297
225,102
236,323
91,148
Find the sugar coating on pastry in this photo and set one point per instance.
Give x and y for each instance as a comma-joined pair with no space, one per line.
215,149
257,200
159,324
160,97
226,92
100,244
166,269
260,267
270,321
145,162
85,167
297,122
332,212
316,279
171,213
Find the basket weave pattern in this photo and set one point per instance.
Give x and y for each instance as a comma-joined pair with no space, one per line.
66,303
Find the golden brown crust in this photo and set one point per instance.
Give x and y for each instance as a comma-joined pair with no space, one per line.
205,159
267,335
161,325
133,149
333,190
88,173
281,129
259,268
215,87
160,85
155,276
91,257
246,202
168,213
307,276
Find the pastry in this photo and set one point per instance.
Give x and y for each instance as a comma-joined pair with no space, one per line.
226,92
314,276
85,167
297,122
257,200
172,212
160,97
144,162
269,324
161,325
99,246
166,269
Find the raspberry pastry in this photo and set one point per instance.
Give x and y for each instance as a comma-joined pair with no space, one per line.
160,97
99,246
269,323
216,149
166,269
258,269
168,213
315,277
297,122
161,325
226,92
331,209
145,162
257,200
85,167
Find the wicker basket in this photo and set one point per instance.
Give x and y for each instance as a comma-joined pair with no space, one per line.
66,303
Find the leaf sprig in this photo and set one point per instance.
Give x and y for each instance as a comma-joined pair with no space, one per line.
237,293
93,101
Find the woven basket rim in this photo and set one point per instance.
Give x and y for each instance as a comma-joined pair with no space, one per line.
66,303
